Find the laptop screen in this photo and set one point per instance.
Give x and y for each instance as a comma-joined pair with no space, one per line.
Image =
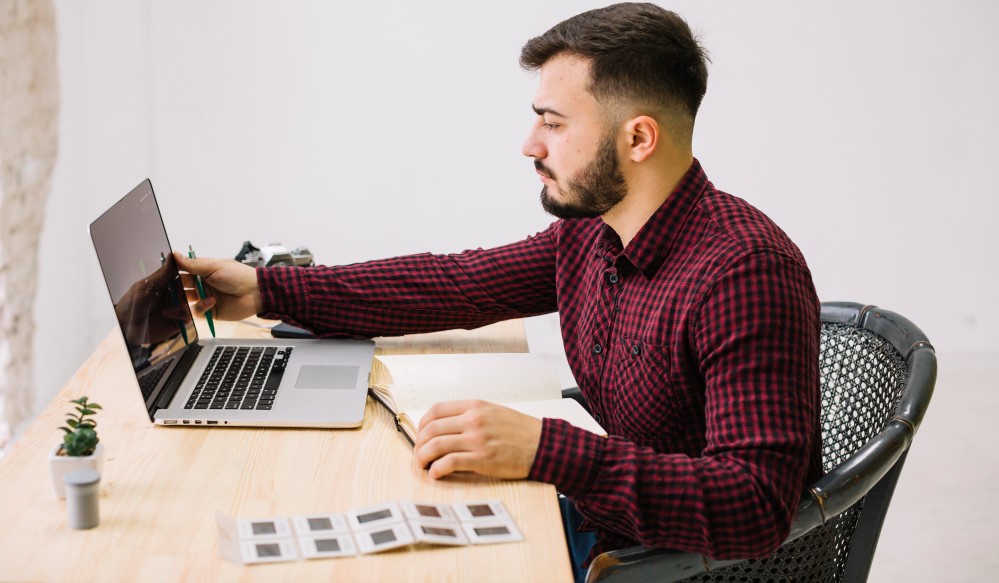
141,275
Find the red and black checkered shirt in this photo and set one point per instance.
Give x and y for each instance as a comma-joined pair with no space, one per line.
696,347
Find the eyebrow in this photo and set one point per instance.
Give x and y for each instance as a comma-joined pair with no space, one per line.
544,110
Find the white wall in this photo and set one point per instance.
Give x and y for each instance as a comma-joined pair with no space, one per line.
868,130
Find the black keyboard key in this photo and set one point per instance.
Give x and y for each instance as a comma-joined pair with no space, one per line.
274,379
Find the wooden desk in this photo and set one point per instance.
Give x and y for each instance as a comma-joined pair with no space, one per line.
162,486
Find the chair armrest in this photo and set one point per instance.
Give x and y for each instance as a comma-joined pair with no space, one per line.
641,564
577,395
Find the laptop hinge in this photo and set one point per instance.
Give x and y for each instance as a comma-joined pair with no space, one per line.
176,378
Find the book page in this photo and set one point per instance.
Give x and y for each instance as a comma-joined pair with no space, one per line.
418,381
567,409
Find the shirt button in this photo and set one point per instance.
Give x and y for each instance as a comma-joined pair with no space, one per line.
613,278
636,350
597,349
598,419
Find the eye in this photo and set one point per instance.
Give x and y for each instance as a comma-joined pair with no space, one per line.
549,126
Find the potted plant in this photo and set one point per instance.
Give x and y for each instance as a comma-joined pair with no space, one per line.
80,448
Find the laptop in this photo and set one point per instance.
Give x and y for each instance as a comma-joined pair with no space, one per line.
185,380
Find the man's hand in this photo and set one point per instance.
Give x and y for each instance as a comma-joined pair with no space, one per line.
476,436
151,310
230,287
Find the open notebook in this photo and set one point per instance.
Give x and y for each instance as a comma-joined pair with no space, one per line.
408,385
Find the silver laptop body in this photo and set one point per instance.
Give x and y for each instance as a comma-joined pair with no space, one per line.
187,381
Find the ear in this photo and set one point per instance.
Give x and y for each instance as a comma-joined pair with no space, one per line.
643,137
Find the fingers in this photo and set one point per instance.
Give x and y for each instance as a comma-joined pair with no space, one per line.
479,437
199,266
199,307
451,463
441,426
182,260
437,448
230,287
184,263
442,431
448,409
192,293
443,419
449,450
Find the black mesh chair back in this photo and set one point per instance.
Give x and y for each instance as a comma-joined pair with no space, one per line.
877,376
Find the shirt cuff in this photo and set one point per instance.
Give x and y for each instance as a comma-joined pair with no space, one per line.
283,293
568,457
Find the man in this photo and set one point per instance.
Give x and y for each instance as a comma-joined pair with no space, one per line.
690,320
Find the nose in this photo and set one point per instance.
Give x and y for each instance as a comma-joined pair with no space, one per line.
533,146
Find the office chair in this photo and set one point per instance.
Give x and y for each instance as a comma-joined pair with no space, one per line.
877,374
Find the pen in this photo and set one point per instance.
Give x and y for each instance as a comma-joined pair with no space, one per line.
201,292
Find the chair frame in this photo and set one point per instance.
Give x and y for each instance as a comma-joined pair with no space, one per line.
871,471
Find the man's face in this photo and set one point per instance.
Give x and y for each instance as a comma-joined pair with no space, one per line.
574,150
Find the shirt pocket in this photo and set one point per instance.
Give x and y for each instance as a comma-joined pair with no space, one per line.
643,400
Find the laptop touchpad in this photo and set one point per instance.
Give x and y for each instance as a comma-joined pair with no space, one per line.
321,376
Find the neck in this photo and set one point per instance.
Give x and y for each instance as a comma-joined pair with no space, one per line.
648,189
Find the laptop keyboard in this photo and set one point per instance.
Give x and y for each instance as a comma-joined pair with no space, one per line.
241,377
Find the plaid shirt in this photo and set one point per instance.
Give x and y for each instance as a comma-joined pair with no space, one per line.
696,347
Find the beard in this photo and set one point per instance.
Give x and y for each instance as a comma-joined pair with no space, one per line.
593,191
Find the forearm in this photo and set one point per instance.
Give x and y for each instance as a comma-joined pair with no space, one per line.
416,293
722,506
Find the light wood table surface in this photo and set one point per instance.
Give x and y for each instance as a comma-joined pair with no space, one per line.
162,486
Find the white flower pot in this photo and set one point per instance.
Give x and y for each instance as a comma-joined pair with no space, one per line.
60,465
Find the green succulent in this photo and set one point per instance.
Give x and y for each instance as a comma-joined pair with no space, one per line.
81,437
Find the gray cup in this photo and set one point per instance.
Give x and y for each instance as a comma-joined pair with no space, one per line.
82,498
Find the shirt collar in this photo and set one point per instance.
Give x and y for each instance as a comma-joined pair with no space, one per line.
653,242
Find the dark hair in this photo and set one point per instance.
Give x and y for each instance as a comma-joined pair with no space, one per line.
638,52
